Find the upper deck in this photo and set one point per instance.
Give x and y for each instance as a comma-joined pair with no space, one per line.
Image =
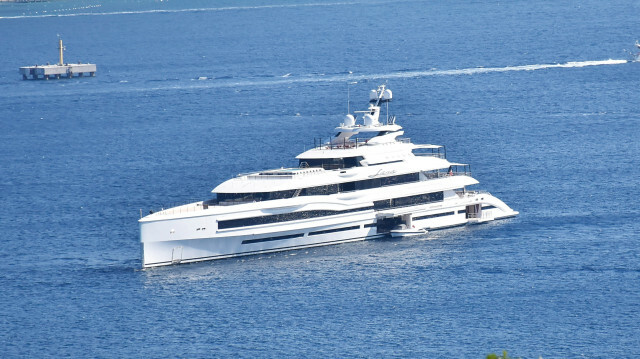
425,181
345,165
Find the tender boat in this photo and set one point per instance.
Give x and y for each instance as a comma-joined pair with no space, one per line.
361,184
634,56
402,230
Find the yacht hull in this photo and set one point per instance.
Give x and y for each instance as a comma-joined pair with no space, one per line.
160,248
363,183
205,249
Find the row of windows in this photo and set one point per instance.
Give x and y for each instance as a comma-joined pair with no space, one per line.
461,211
317,190
334,230
253,197
320,190
408,201
331,163
368,225
298,235
284,217
249,241
308,214
382,181
294,216
434,215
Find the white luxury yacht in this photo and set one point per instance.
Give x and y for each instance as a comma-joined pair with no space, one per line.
364,183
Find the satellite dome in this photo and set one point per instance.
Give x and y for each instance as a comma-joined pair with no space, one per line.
349,120
370,120
387,95
373,95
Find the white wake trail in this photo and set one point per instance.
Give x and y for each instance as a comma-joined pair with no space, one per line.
207,83
484,70
381,76
425,73
164,11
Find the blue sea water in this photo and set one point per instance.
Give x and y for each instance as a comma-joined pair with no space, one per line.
190,93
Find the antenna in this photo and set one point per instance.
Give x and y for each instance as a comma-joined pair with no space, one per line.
387,112
349,96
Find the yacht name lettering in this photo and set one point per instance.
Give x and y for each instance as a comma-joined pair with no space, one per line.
382,173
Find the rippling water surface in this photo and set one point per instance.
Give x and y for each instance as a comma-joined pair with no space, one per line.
537,97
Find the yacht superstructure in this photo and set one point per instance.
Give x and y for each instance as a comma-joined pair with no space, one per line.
363,183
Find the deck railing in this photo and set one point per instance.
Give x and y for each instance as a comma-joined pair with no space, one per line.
318,143
181,207
345,145
434,175
463,194
431,154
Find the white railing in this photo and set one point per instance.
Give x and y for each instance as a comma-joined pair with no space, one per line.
270,177
431,154
436,175
187,208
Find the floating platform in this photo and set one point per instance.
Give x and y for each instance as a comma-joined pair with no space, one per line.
57,71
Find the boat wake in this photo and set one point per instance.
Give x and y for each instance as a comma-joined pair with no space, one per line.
56,13
423,73
347,76
484,70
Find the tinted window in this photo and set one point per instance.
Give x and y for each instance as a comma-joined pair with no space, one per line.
331,163
229,198
320,190
284,217
294,216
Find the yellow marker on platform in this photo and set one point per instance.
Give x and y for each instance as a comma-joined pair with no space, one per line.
61,48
